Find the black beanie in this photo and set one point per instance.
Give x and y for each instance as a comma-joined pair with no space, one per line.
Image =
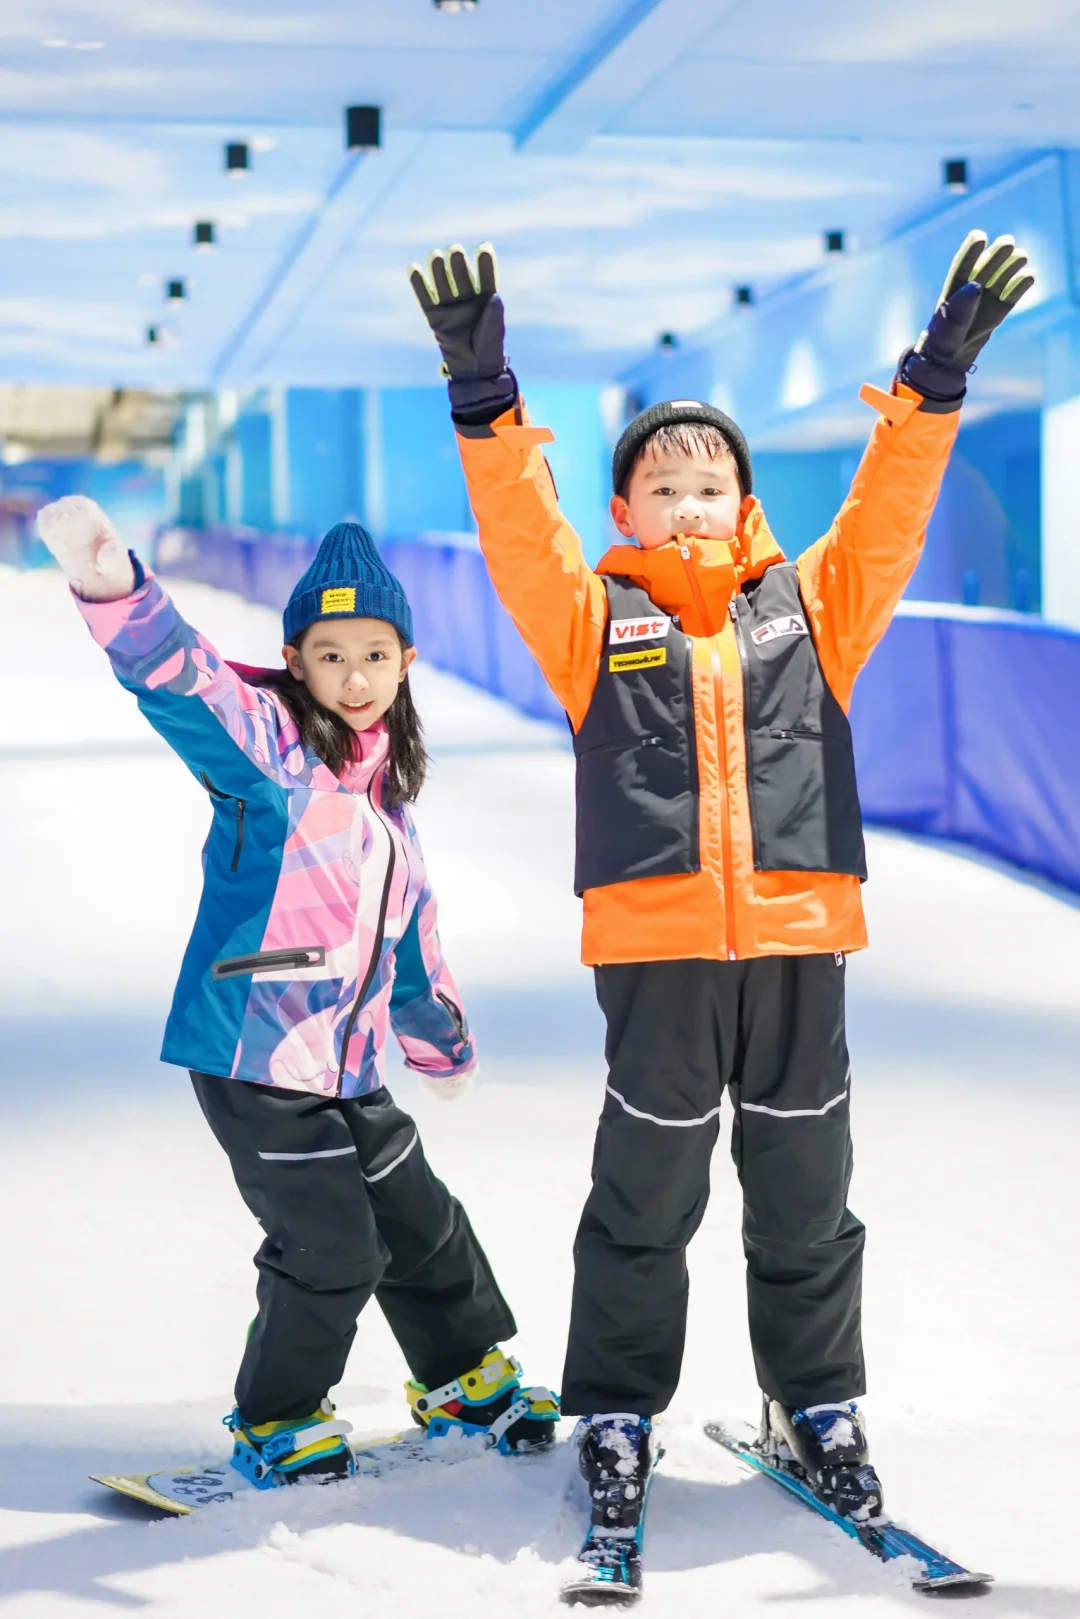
670,415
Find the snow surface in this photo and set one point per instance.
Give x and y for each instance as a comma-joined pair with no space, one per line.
125,1250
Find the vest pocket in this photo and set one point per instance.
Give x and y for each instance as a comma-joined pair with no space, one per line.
636,812
806,802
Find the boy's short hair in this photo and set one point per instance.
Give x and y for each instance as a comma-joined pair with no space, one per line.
687,426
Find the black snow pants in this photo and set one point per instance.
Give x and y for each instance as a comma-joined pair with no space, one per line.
771,1030
350,1208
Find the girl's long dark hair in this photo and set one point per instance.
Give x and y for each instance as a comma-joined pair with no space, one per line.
334,741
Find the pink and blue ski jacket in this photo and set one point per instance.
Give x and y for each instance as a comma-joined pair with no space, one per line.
316,931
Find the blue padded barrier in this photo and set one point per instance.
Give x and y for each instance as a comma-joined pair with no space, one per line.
965,719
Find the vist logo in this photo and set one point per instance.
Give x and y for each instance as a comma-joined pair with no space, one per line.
625,631
777,628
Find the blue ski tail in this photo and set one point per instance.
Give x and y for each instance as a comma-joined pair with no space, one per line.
885,1539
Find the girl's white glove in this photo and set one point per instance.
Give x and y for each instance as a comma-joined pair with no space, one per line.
449,1089
88,548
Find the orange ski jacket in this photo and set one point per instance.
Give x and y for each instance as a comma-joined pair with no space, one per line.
850,581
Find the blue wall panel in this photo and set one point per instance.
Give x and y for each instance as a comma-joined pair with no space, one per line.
424,486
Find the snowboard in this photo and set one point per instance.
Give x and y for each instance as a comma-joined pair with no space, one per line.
183,1490
884,1539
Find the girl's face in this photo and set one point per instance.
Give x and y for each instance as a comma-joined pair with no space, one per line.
353,666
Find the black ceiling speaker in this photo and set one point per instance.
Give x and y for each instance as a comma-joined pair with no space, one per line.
176,292
668,341
744,295
955,173
237,158
363,128
203,234
834,241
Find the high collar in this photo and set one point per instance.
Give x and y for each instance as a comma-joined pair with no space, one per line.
699,586
373,750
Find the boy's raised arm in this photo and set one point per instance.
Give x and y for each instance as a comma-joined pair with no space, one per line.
533,555
853,578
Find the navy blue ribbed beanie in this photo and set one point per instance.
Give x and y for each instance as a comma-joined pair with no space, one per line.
348,579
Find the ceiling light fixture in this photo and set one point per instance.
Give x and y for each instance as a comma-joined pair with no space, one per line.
456,5
176,292
203,235
834,241
954,173
237,160
363,128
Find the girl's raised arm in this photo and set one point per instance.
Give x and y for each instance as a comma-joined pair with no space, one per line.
185,688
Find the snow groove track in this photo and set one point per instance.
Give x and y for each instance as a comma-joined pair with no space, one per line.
125,1252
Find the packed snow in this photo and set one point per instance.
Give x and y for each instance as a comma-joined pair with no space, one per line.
126,1251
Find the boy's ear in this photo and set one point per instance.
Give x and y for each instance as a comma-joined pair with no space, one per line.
293,662
408,658
620,516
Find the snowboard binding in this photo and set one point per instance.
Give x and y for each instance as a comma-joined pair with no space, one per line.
488,1402
826,1447
273,1453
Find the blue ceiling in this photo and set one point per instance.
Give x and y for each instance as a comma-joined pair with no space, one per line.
633,160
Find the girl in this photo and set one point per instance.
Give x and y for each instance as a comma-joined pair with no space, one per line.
315,937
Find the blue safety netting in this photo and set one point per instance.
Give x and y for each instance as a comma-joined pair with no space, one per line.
965,720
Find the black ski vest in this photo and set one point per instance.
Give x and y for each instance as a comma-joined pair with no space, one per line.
637,778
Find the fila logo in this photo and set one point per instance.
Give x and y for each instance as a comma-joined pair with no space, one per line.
624,631
777,628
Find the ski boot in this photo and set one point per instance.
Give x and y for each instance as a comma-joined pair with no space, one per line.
272,1453
825,1444
488,1402
616,1455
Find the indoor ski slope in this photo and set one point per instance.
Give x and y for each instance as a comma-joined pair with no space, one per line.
125,1252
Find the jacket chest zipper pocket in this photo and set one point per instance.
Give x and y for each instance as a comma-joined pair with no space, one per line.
267,960
241,807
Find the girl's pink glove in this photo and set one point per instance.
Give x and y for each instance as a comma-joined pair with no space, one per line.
88,548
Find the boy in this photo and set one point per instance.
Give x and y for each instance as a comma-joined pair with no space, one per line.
719,856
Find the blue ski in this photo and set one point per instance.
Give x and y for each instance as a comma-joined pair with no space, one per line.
884,1539
610,1573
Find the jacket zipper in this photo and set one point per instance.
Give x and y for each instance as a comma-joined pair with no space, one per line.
744,661
721,725
376,949
241,806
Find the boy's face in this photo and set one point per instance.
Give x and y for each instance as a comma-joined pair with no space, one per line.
674,493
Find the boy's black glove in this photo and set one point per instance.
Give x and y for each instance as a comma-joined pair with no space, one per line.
982,285
466,314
